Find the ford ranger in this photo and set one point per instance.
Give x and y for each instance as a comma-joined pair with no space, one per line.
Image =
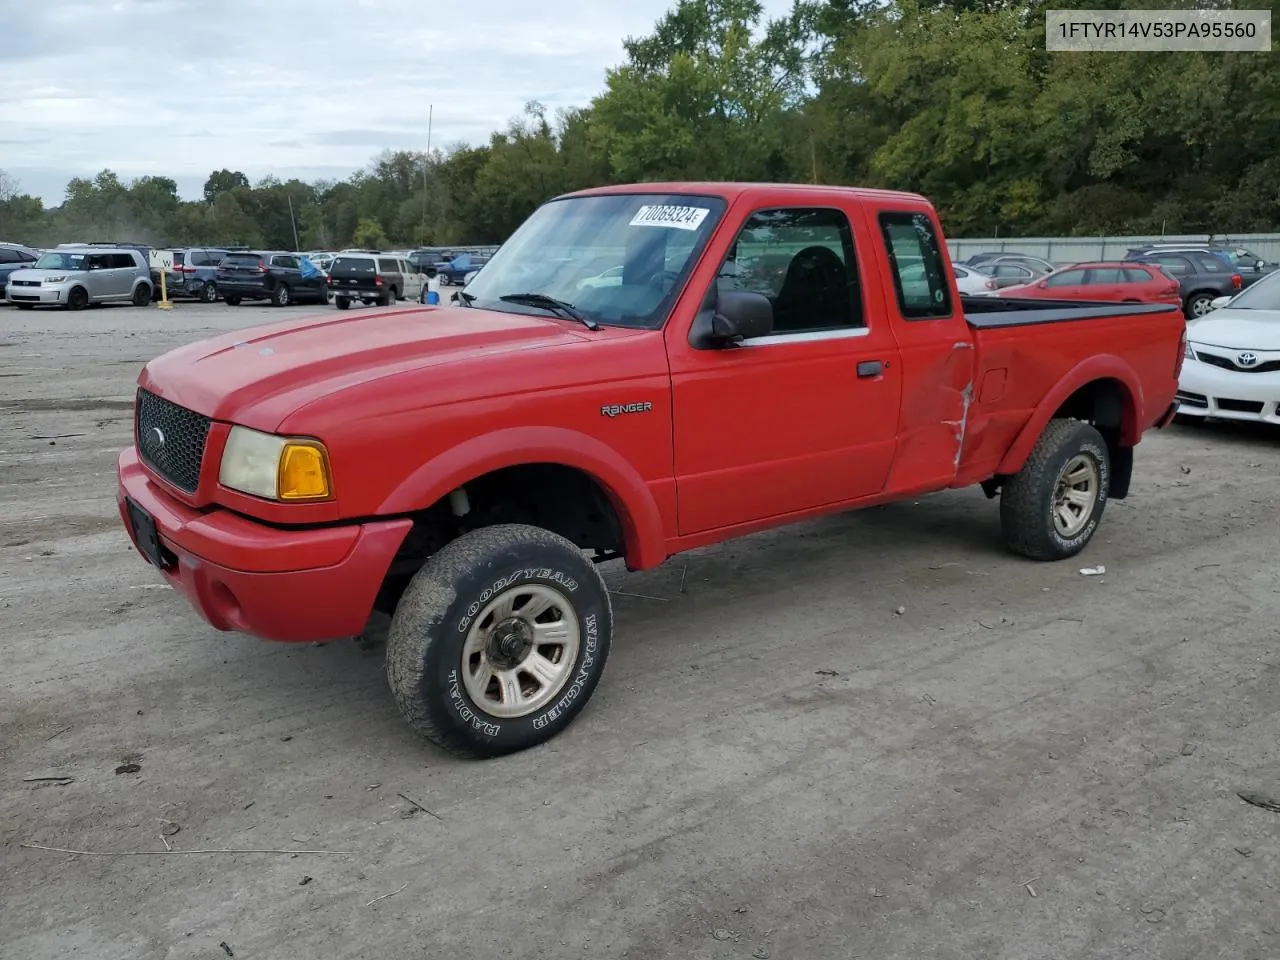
769,353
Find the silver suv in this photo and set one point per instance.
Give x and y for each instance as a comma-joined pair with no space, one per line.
75,277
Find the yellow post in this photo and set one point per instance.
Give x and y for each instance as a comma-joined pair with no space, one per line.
164,303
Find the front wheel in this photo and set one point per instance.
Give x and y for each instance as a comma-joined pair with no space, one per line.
499,641
142,295
1050,509
231,301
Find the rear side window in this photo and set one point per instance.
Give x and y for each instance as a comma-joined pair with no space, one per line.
242,260
1210,263
1178,266
1108,275
917,265
288,263
388,266
352,267
120,261
1134,275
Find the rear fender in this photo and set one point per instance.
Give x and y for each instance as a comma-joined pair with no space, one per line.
637,511
1100,367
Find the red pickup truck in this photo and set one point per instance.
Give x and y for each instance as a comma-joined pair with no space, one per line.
639,371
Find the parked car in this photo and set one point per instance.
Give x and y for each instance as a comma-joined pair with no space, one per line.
194,273
973,282
1007,274
372,279
14,257
1037,265
75,278
1132,282
1238,258
142,248
456,270
1232,365
462,470
1202,278
268,275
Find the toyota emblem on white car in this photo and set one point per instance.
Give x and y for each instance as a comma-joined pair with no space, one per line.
1247,359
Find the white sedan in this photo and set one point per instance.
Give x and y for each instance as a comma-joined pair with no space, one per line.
1231,370
972,281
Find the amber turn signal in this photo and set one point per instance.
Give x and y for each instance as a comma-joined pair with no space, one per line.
303,472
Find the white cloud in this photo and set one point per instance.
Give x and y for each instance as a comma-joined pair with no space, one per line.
313,89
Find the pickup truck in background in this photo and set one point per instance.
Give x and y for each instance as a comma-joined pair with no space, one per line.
1202,278
771,353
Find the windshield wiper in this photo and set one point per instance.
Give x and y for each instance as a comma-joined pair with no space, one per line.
551,303
465,298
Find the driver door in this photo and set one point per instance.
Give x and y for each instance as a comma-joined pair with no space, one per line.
806,416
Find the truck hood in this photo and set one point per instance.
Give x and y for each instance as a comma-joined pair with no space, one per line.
1237,329
258,376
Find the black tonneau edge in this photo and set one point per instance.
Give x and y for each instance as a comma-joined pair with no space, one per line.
991,312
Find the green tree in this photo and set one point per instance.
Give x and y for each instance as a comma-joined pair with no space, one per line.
369,234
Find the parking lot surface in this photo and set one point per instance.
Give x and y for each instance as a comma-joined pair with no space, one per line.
877,735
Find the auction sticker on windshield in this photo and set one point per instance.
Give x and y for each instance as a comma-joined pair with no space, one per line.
669,215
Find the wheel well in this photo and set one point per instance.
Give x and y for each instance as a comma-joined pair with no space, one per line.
1107,405
561,499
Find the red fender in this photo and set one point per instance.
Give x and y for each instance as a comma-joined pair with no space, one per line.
637,511
1101,367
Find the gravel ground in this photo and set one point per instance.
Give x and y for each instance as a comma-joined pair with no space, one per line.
1023,763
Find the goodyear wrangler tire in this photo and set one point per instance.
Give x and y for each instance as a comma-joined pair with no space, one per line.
499,641
1050,509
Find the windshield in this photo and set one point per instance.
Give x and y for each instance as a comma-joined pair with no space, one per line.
650,242
1263,295
60,261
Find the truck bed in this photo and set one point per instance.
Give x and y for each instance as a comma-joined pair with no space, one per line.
985,313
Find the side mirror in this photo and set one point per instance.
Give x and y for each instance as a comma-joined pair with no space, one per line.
736,315
1043,284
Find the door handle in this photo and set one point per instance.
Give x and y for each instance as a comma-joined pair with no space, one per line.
869,368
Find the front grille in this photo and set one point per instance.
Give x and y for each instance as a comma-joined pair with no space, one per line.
1240,406
1226,363
171,439
26,283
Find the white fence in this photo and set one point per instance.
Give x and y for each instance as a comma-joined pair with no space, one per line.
1065,250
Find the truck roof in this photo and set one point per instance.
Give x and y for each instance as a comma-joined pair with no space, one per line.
731,190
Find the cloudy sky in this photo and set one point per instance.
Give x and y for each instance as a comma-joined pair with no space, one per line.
308,89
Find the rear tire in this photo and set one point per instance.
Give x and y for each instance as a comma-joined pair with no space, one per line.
280,296
209,292
1050,509
1199,304
342,303
388,298
474,676
231,301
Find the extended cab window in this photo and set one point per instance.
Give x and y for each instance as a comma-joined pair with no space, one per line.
802,259
917,265
388,266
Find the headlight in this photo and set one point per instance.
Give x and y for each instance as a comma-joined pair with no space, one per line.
275,468
55,279
1187,352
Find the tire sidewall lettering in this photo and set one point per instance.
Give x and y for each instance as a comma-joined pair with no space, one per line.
469,716
586,660
1099,457
524,574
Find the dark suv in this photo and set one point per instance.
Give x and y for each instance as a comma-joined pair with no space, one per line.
194,273
268,275
1237,257
1202,277
14,257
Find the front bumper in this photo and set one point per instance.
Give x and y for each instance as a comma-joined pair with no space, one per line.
278,584
43,294
1205,390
